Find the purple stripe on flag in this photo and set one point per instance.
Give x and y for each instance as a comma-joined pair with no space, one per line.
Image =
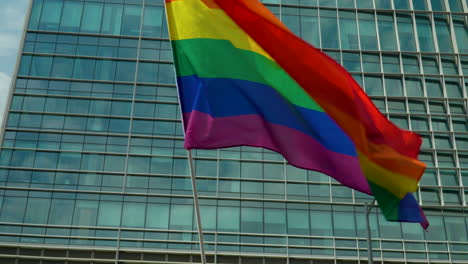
205,132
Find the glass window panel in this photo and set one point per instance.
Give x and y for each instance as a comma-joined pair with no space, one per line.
37,211
394,86
406,33
93,162
389,229
456,228
374,85
457,107
461,32
364,4
414,87
321,223
40,66
152,22
319,192
438,5
120,108
35,14
86,212
62,67
411,64
112,19
275,221
144,109
449,177
346,3
429,178
310,26
69,161
114,163
420,5
33,103
344,224
430,65
352,61
412,231
433,87
230,169
109,213
424,27
291,19
13,209
396,106
46,160
327,3
367,30
401,4
439,124
71,16
84,69
449,65
157,216
77,106
387,32
430,196
401,122
105,70
445,159
348,30
209,218
329,29
166,74
371,62
228,219
147,72
383,4
436,228
92,14
453,87
456,5
125,71
61,212
273,171
251,170
391,64
205,167
131,20
133,215
51,13
252,220
99,107
462,142
181,217
25,65
443,33
297,191
419,123
298,222
22,158
162,165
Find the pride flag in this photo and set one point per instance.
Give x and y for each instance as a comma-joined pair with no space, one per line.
245,80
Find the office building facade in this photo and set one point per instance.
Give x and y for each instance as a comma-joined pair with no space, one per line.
93,170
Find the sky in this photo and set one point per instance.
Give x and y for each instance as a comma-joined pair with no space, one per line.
12,15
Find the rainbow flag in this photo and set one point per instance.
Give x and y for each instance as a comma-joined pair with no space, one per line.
245,80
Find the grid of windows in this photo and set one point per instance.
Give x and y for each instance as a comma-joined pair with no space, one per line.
92,153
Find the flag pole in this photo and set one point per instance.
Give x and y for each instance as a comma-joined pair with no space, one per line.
369,207
192,169
197,208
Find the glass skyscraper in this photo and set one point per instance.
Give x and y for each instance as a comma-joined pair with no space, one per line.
93,170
